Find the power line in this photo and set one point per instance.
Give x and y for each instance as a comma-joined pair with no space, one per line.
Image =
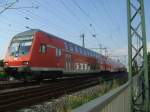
87,15
91,19
9,6
72,13
109,18
52,11
69,9
55,13
39,19
46,7
27,7
84,12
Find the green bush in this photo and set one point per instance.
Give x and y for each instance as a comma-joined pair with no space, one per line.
3,75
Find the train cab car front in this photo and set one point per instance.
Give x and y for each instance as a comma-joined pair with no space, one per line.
17,59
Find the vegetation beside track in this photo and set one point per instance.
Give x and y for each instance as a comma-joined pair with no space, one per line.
76,101
2,74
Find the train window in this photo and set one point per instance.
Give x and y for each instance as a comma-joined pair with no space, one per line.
81,66
92,54
81,50
71,47
42,48
66,47
89,67
77,66
95,55
84,52
76,48
87,52
58,52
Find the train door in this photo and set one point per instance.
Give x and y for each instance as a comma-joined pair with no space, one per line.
58,57
68,61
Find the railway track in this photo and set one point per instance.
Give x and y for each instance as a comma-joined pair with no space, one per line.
16,98
14,84
17,84
16,95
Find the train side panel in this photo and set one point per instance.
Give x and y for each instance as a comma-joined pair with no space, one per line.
47,59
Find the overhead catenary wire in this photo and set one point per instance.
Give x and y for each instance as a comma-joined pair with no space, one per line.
93,21
39,19
8,6
53,12
58,13
88,17
109,16
73,14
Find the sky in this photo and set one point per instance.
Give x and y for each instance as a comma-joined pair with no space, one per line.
68,19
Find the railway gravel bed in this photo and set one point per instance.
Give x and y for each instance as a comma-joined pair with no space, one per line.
16,98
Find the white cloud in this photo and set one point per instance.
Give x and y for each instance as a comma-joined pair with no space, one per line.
120,51
124,50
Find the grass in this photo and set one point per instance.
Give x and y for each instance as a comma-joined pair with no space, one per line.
3,75
76,101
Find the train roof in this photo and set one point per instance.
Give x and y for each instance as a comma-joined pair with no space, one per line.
28,32
32,31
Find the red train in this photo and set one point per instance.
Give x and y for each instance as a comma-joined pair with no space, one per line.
36,53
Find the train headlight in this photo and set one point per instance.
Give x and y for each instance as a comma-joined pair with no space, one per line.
6,63
25,62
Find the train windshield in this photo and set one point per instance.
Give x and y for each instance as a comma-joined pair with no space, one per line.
20,46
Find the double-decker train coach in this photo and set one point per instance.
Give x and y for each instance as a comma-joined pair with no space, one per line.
35,53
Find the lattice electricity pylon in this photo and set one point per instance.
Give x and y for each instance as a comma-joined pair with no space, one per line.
137,55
